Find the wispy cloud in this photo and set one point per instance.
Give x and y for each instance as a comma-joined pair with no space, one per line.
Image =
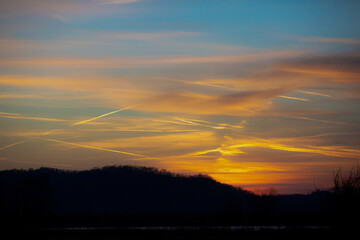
320,120
338,67
151,36
116,2
144,61
21,116
198,123
23,96
331,40
62,7
160,145
246,102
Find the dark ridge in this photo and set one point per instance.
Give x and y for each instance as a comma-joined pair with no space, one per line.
114,191
144,196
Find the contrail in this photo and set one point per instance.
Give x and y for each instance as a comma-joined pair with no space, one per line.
91,119
92,147
295,98
314,93
320,120
13,144
104,115
46,133
38,163
78,123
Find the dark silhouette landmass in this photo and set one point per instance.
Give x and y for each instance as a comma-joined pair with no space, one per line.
114,192
128,196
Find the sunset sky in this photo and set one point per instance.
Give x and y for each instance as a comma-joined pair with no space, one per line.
254,93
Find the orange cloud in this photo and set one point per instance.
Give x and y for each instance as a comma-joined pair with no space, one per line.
45,82
142,62
233,147
246,102
302,70
172,141
227,171
339,67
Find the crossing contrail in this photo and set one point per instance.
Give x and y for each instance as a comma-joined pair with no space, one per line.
103,115
77,123
93,147
13,144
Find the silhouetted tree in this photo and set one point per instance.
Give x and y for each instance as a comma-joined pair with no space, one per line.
347,195
268,199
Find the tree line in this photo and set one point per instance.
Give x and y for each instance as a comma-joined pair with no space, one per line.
125,195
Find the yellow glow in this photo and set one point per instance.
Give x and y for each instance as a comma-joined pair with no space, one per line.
251,178
232,148
223,150
230,172
175,122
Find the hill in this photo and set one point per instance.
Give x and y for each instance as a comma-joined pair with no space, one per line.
113,192
138,196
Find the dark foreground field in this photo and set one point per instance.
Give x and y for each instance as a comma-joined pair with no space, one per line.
140,203
191,232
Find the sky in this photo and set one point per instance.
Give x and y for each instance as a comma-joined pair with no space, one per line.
257,94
